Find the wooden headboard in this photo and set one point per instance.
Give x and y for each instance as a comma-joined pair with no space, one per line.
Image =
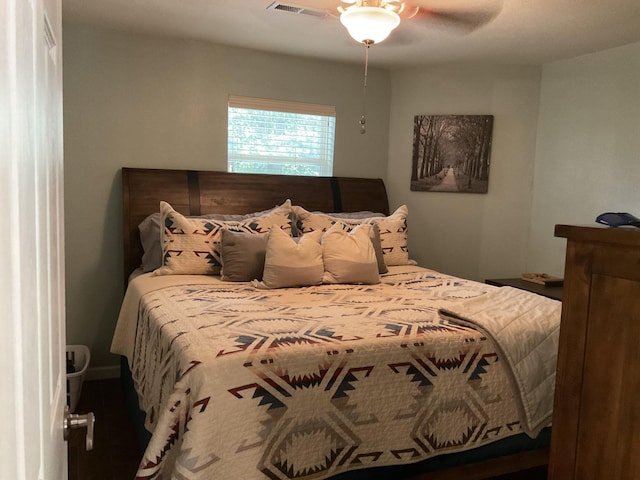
201,192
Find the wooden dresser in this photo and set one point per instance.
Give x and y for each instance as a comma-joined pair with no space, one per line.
596,419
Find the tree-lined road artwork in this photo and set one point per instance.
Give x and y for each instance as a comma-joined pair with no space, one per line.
448,183
451,153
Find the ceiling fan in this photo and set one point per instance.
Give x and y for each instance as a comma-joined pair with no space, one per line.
371,21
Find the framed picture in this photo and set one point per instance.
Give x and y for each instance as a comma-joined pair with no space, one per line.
451,153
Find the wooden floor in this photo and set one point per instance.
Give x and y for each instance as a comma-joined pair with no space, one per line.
115,455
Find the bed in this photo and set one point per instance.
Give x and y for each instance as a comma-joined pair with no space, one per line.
403,376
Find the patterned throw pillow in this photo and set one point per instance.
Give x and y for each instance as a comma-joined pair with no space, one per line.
151,227
191,246
348,256
393,230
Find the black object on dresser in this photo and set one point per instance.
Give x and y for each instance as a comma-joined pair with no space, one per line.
554,292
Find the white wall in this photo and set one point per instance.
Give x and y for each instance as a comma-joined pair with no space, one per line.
566,146
588,147
474,236
141,101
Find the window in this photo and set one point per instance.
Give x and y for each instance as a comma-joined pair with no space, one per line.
286,138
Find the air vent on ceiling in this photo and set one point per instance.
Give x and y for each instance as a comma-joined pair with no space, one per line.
283,7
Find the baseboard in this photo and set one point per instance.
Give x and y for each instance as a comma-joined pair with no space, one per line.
102,373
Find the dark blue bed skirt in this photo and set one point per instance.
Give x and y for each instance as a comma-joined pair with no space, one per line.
508,446
131,398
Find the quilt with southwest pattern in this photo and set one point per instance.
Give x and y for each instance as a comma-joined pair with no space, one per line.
305,383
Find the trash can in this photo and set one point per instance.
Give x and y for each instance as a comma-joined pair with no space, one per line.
78,357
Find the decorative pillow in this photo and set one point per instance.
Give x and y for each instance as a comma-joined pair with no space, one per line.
357,215
192,245
289,263
374,234
242,255
149,230
393,230
296,225
349,256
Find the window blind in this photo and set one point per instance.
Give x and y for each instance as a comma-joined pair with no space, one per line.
281,137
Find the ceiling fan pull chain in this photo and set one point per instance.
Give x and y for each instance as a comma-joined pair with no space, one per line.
363,119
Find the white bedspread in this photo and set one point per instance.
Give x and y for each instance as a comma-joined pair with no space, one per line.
306,383
525,327
124,335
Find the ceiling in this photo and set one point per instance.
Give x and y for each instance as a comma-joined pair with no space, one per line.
523,32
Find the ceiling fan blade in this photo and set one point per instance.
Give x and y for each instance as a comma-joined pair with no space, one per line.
466,18
467,21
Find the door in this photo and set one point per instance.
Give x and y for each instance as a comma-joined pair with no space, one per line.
32,343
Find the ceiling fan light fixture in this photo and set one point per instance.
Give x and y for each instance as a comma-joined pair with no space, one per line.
369,24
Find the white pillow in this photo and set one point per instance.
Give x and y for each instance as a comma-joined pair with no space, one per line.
288,263
349,256
393,230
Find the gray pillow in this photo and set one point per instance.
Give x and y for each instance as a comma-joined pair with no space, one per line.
374,234
242,255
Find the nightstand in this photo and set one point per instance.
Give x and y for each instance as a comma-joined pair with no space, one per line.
550,292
